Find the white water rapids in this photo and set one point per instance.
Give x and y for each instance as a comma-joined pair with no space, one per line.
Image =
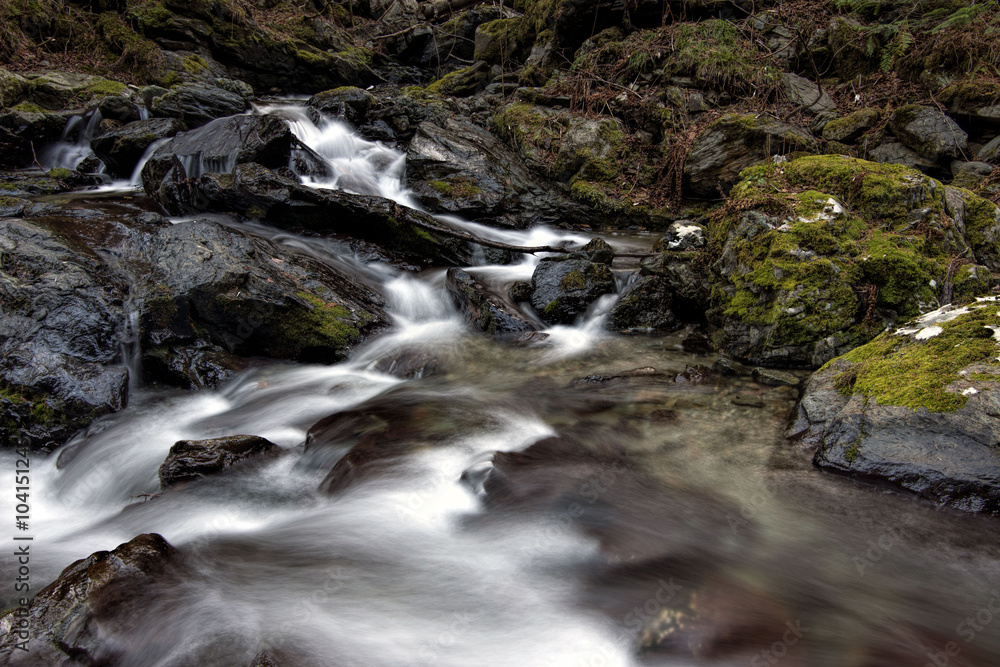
401,569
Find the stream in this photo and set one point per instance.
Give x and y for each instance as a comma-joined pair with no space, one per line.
728,549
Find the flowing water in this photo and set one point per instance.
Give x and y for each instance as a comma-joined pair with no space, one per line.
412,568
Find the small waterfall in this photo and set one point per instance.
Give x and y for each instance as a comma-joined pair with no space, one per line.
135,180
130,350
197,164
73,146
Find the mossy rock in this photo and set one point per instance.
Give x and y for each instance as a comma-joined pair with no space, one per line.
12,88
850,128
463,82
497,42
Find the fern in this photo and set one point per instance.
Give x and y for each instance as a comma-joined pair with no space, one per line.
964,16
895,49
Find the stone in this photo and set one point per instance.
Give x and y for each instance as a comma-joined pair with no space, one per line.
563,288
645,306
195,104
487,311
969,175
192,460
929,132
121,149
351,104
803,92
849,129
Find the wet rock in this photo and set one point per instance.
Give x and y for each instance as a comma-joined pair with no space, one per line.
121,148
457,167
19,130
351,104
697,374
990,152
562,289
281,200
805,93
209,283
62,90
58,337
733,143
195,104
119,109
487,311
198,366
95,598
191,460
645,305
775,377
686,278
914,408
929,132
462,83
849,129
596,250
729,367
219,147
409,364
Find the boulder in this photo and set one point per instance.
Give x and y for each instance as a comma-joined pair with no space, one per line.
12,88
456,167
562,287
803,92
121,149
59,337
849,129
645,306
94,599
20,130
463,82
219,147
206,282
351,104
929,132
990,152
969,175
191,460
893,152
58,90
487,311
733,143
977,101
282,200
195,104
915,408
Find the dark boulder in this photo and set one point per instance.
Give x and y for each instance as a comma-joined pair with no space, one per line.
95,598
191,460
59,337
733,143
351,104
562,288
195,104
219,147
487,311
929,132
122,148
283,201
645,305
20,130
208,283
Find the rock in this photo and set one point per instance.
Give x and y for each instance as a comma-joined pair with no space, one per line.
456,167
454,40
262,659
118,108
94,599
915,408
586,147
409,364
219,147
285,202
20,129
61,90
729,367
731,144
683,235
969,175
351,104
195,104
121,149
58,337
687,281
200,365
775,378
12,88
849,129
978,101
462,83
791,291
496,42
487,311
206,282
803,92
990,152
929,132
191,460
893,152
645,305
563,288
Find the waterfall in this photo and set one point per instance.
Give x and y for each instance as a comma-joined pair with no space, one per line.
73,146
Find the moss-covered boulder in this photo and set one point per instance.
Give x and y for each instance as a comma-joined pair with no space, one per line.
563,287
849,129
62,90
916,408
462,83
977,100
12,88
347,102
733,143
929,132
496,42
817,257
645,306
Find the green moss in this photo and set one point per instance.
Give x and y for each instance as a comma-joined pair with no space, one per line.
898,370
323,324
573,280
501,41
103,88
551,308
461,83
60,173
456,188
194,64
28,107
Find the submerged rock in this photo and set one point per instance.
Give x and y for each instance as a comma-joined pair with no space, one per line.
58,337
96,598
191,460
915,408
